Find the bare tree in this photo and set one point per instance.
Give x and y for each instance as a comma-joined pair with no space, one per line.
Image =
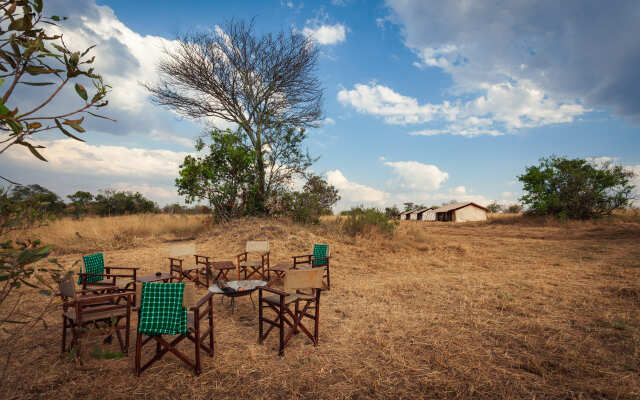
261,83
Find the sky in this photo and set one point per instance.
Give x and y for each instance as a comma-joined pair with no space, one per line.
425,101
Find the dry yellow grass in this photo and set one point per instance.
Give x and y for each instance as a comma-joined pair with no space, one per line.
486,310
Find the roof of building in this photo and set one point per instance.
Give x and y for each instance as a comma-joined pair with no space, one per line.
456,206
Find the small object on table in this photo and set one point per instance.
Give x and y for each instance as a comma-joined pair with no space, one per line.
157,277
235,289
158,273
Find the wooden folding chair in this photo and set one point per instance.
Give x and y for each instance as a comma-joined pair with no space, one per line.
301,295
198,273
97,276
257,268
82,309
193,332
319,258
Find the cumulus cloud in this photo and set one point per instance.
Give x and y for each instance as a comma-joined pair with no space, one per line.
415,175
580,56
326,34
353,193
395,108
83,158
503,107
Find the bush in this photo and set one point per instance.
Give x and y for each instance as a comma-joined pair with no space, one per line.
575,189
362,220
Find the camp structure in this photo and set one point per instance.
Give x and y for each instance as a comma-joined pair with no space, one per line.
461,212
421,214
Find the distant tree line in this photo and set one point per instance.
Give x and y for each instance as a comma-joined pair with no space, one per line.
37,203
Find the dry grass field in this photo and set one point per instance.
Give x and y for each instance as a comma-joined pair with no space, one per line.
510,308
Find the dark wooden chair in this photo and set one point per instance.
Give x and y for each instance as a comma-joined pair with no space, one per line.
221,269
98,276
299,300
319,258
82,309
257,268
194,332
198,273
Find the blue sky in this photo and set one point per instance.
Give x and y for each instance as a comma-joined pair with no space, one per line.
424,101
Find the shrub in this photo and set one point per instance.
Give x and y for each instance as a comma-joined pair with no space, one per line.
362,220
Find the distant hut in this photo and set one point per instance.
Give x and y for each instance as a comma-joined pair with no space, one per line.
421,214
405,215
461,212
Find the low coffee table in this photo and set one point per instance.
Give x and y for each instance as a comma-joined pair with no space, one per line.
238,289
223,268
279,271
154,278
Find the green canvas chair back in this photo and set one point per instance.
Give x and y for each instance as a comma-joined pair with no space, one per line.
161,309
320,254
93,264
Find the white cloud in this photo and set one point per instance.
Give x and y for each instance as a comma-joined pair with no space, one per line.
68,155
460,190
417,176
326,34
328,121
557,56
353,193
503,107
395,108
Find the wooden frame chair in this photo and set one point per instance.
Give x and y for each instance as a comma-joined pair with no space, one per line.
82,308
194,333
198,273
96,275
251,268
319,258
301,295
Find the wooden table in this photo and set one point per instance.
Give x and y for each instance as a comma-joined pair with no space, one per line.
223,268
238,289
279,270
154,278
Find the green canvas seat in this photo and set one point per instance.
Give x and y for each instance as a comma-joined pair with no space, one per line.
96,275
161,309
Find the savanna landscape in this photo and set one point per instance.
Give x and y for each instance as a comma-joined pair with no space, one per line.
469,169
508,308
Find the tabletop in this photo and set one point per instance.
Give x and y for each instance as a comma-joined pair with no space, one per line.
247,287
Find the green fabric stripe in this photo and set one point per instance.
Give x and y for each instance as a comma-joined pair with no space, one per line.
161,309
320,254
93,264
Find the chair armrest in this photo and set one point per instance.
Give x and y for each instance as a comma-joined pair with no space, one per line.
202,301
274,291
206,258
101,298
175,259
131,268
302,256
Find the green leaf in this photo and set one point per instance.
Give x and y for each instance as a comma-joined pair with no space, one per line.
34,125
16,127
38,4
1,81
3,109
55,18
37,70
33,151
82,92
38,83
67,133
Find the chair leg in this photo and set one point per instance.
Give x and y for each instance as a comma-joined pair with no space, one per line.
127,331
328,278
138,353
64,333
316,322
211,342
260,323
281,315
196,328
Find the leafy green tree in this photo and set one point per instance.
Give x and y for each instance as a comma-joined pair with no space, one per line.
80,202
31,56
111,202
326,195
40,199
266,84
494,208
575,188
513,209
392,212
224,178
